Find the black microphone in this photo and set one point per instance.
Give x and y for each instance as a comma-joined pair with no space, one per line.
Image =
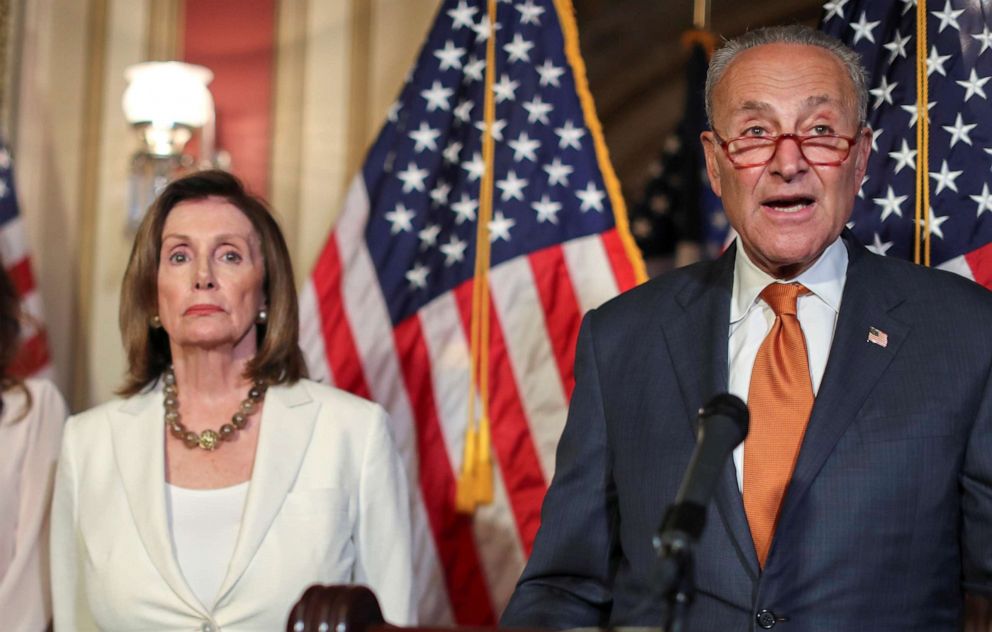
723,424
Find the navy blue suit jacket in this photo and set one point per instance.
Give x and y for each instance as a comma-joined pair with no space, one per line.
888,518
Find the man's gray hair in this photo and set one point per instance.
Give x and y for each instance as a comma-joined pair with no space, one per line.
793,34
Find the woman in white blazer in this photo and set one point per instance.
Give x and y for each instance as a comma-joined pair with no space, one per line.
223,483
32,413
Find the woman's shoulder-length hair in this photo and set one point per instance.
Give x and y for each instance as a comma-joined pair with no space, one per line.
278,359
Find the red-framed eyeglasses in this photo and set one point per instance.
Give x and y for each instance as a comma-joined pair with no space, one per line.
826,150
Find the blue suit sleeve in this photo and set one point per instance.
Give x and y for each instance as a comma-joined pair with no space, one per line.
976,502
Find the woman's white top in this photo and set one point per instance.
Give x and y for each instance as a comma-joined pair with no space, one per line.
204,526
29,446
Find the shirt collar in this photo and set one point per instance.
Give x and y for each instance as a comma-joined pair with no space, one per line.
825,279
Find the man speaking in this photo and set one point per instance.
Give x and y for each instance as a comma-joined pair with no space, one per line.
862,496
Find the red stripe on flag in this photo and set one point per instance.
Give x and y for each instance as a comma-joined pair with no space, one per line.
21,276
562,315
980,262
32,356
339,343
511,438
623,269
453,535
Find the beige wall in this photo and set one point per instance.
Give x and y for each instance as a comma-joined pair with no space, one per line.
340,64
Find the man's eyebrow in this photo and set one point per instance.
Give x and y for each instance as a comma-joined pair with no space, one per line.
755,106
814,101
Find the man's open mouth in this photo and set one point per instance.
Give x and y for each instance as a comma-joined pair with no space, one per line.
791,204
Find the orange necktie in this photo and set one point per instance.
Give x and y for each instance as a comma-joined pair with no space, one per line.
780,400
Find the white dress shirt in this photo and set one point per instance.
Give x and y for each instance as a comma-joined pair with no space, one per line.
751,319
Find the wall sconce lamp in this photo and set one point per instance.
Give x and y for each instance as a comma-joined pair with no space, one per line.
166,103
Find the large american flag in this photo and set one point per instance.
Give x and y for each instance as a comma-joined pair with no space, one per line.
957,61
33,357
388,308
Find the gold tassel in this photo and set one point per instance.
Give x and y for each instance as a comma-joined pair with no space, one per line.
483,465
465,495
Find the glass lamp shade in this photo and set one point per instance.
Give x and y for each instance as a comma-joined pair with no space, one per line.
167,100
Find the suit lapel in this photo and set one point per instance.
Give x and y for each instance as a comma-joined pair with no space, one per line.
698,340
853,368
138,437
288,419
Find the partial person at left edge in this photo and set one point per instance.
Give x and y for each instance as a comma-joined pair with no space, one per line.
32,413
223,482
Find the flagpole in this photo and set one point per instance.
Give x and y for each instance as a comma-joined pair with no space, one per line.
701,14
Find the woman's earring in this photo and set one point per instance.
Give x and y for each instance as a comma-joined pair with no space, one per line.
155,322
263,317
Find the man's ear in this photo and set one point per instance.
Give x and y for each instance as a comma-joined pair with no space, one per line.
712,170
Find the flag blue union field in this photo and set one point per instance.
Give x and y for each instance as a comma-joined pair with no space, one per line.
392,309
958,65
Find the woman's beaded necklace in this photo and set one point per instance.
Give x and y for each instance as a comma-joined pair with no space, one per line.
208,439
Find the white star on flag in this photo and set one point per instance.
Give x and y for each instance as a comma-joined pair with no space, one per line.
498,126
463,112
524,147
914,112
897,46
437,97
518,49
499,227
454,250
834,9
450,56
878,247
439,194
945,178
959,131
401,219
512,187
475,167
569,135
547,211
891,204
417,276
984,200
462,15
905,157
549,73
948,17
935,222
974,85
863,29
484,28
883,93
935,62
412,178
558,173
464,209
530,13
505,88
428,236
424,137
452,151
538,110
474,68
592,198
985,37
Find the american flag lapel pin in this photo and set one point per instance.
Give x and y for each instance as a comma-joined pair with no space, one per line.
878,337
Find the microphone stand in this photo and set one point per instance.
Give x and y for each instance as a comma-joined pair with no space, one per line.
674,568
